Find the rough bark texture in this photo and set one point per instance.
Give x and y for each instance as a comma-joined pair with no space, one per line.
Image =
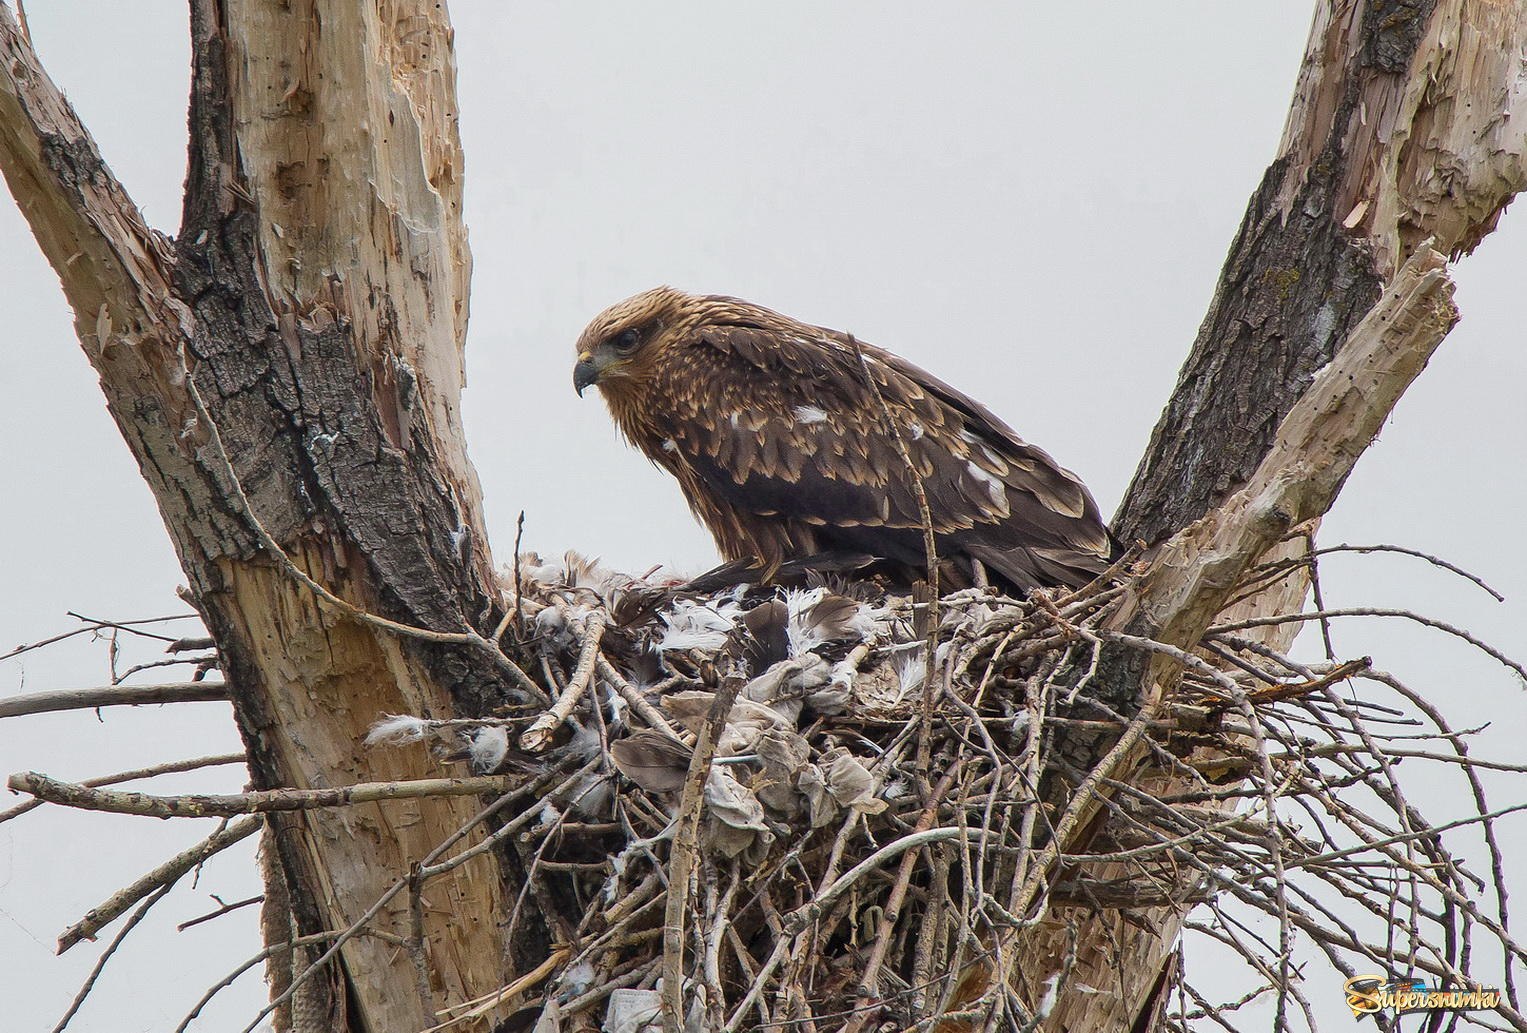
1407,124
1316,446
322,250
317,293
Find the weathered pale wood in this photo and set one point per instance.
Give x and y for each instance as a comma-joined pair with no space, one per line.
1318,443
357,179
317,295
112,696
1406,125
343,206
1435,140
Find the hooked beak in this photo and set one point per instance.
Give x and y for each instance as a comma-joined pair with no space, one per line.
585,373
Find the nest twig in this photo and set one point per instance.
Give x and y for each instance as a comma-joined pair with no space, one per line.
815,883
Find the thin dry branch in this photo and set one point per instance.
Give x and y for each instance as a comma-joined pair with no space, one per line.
1375,611
483,1005
271,950
1272,721
538,736
168,768
72,794
132,627
111,948
427,868
167,874
113,696
686,852
1398,550
222,910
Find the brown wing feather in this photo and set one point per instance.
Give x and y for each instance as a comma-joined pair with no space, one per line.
783,451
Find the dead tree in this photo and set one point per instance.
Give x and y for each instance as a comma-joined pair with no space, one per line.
287,371
1404,129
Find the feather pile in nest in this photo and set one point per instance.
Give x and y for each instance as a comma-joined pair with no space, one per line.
815,765
822,667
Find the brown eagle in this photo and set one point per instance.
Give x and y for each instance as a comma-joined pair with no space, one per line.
784,452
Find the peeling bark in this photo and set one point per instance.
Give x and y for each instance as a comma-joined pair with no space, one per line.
1406,125
317,294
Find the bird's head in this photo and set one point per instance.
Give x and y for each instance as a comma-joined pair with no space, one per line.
621,343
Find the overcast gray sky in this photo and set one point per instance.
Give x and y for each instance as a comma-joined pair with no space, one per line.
1031,200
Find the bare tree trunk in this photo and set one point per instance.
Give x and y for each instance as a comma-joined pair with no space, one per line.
1406,126
317,298
288,371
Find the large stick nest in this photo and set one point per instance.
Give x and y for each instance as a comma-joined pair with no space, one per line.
840,826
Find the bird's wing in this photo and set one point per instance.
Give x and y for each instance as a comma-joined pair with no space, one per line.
785,425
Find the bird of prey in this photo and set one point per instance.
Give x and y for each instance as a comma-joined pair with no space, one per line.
784,451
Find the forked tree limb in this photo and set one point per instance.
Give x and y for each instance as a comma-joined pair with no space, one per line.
1194,574
1316,447
308,301
1407,123
166,874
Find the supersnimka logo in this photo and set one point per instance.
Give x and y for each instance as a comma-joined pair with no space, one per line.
1368,995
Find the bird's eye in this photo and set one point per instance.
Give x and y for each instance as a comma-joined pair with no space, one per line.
626,341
